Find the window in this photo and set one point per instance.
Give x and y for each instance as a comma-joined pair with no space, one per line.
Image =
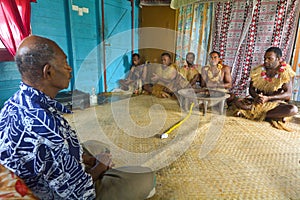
4,54
16,28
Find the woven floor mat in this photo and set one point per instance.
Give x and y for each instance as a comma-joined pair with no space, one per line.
249,160
207,157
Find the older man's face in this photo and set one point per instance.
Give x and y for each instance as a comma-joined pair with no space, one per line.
62,71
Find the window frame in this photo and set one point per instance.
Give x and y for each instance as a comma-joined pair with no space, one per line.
4,54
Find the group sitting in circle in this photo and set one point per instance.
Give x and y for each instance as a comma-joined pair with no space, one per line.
165,79
270,87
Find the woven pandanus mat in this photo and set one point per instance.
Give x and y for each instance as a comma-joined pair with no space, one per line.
211,157
131,127
250,160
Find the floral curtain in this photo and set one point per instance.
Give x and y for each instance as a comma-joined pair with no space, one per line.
155,2
14,22
179,3
243,30
296,67
193,32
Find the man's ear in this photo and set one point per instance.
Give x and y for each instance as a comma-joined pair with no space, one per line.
47,71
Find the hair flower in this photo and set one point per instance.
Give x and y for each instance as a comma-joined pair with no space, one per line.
281,69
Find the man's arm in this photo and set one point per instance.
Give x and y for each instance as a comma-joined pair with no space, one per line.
88,160
97,164
171,76
196,78
130,74
144,74
103,163
62,164
96,169
252,90
63,172
227,82
204,77
285,95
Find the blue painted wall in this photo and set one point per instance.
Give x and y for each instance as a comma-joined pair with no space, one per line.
9,80
48,19
79,37
85,36
117,33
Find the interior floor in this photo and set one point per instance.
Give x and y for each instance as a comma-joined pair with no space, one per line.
206,157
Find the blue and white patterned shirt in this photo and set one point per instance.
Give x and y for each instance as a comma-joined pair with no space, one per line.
39,146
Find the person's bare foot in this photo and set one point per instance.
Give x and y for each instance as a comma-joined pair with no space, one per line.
165,95
238,114
280,123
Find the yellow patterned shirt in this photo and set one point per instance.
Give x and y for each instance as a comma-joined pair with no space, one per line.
190,72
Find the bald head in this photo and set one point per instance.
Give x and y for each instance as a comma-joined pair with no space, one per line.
33,54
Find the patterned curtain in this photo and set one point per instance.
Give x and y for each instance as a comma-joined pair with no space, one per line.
179,3
243,30
194,25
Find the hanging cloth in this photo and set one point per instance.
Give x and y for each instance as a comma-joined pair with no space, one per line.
14,22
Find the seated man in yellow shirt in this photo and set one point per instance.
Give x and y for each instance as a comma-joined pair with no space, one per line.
165,80
136,76
190,71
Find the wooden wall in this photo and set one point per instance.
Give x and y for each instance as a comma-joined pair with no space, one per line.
79,37
161,18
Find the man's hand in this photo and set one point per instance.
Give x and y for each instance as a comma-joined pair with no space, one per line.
261,99
105,158
212,84
103,163
155,77
88,160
